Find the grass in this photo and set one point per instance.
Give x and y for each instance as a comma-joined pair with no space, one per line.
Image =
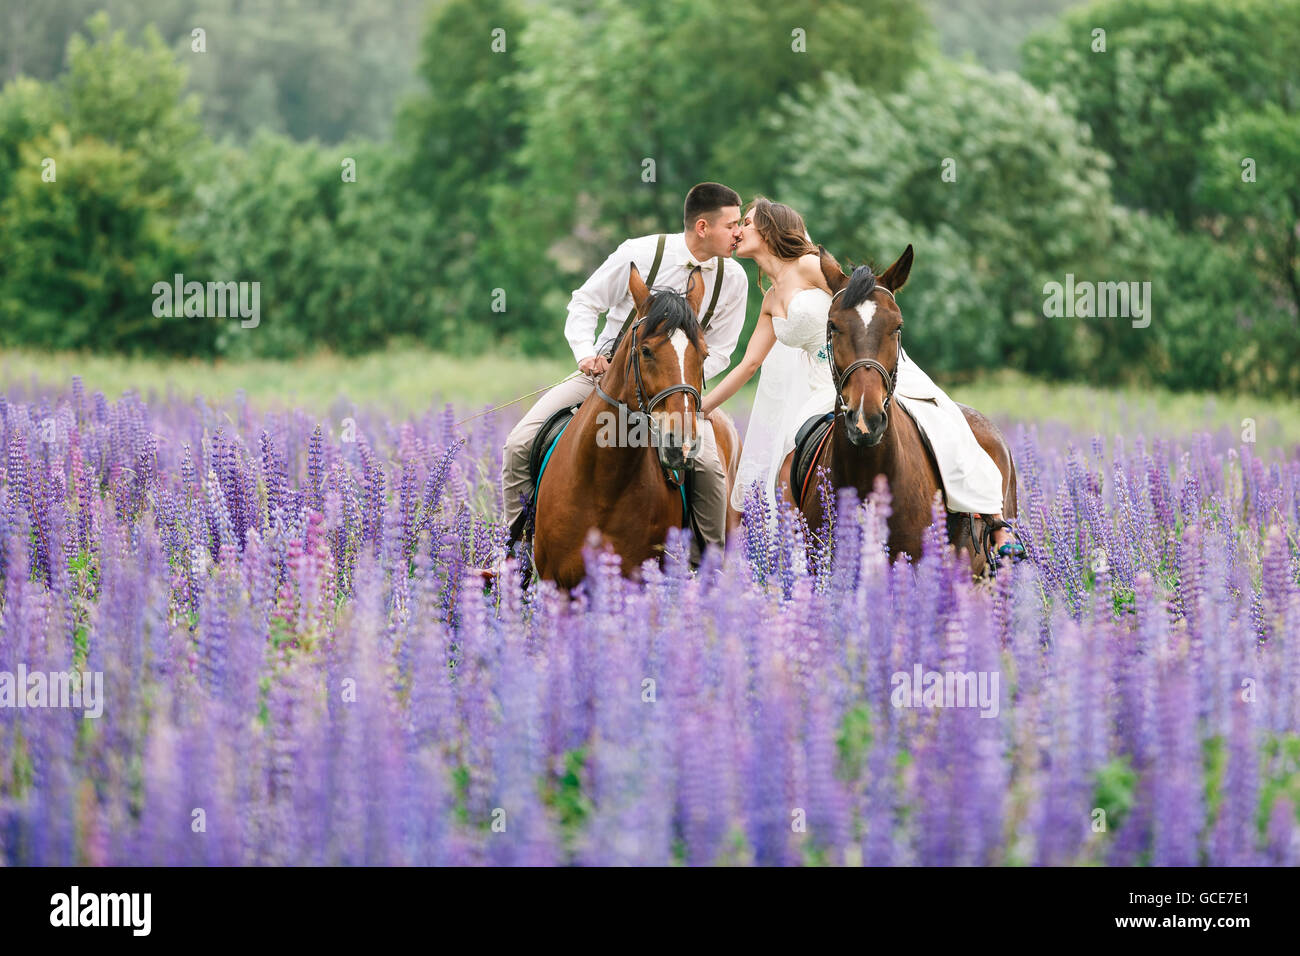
401,380
397,380
1009,397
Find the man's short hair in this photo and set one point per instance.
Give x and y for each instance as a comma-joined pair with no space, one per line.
705,199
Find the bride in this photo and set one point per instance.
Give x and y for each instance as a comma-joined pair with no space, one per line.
789,344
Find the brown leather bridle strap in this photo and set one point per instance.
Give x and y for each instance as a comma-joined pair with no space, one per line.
891,378
634,367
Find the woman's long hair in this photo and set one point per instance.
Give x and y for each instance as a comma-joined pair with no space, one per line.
782,229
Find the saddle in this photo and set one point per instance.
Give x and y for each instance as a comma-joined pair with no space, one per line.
545,440
540,454
808,444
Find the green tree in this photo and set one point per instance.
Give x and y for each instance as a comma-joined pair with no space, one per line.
1251,179
627,105
25,113
325,69
86,238
132,97
459,137
34,36
1169,68
79,256
991,182
340,254
992,30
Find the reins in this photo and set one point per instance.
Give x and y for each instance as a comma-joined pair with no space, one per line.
514,401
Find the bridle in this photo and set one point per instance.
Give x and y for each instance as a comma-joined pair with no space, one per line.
891,378
643,408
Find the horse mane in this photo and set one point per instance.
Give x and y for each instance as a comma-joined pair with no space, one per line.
668,312
861,285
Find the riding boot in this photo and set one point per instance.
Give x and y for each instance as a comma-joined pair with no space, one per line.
516,483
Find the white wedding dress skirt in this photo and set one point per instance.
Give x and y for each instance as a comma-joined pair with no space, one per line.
796,384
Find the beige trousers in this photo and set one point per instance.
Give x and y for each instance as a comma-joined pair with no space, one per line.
709,495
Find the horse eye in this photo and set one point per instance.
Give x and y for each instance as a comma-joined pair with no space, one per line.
833,328
645,350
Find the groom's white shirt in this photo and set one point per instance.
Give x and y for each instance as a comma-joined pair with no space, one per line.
606,291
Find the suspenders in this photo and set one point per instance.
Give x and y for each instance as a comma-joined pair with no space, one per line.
713,303
654,272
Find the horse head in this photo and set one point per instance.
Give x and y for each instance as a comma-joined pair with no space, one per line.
661,360
863,331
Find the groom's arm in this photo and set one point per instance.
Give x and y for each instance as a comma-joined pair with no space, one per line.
604,289
728,320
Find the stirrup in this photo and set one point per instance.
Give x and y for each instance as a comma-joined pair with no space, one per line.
1012,551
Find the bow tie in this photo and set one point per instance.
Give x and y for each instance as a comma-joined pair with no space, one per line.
692,264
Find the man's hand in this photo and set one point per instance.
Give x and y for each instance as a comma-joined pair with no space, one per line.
594,365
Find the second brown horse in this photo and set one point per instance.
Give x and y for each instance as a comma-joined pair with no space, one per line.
871,438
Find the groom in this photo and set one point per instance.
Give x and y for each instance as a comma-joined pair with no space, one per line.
712,228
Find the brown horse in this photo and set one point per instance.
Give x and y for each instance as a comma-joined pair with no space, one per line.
871,441
618,466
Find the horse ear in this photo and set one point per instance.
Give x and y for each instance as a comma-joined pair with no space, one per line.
695,294
831,271
896,275
640,294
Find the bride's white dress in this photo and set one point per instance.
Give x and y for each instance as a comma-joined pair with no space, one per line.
796,384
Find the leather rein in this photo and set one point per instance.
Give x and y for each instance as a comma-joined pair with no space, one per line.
891,378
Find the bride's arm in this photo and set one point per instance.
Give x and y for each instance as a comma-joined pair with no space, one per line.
760,343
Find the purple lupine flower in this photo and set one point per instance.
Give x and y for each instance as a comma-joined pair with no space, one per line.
123,549
316,470
1283,834
1177,769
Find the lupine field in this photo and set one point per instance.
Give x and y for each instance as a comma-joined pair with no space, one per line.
300,666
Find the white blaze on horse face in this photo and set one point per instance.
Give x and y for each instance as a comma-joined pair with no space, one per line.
866,310
679,342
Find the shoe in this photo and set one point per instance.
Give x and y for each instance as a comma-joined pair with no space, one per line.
1013,550
498,567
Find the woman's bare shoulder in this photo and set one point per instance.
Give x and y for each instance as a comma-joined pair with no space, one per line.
806,274
810,269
